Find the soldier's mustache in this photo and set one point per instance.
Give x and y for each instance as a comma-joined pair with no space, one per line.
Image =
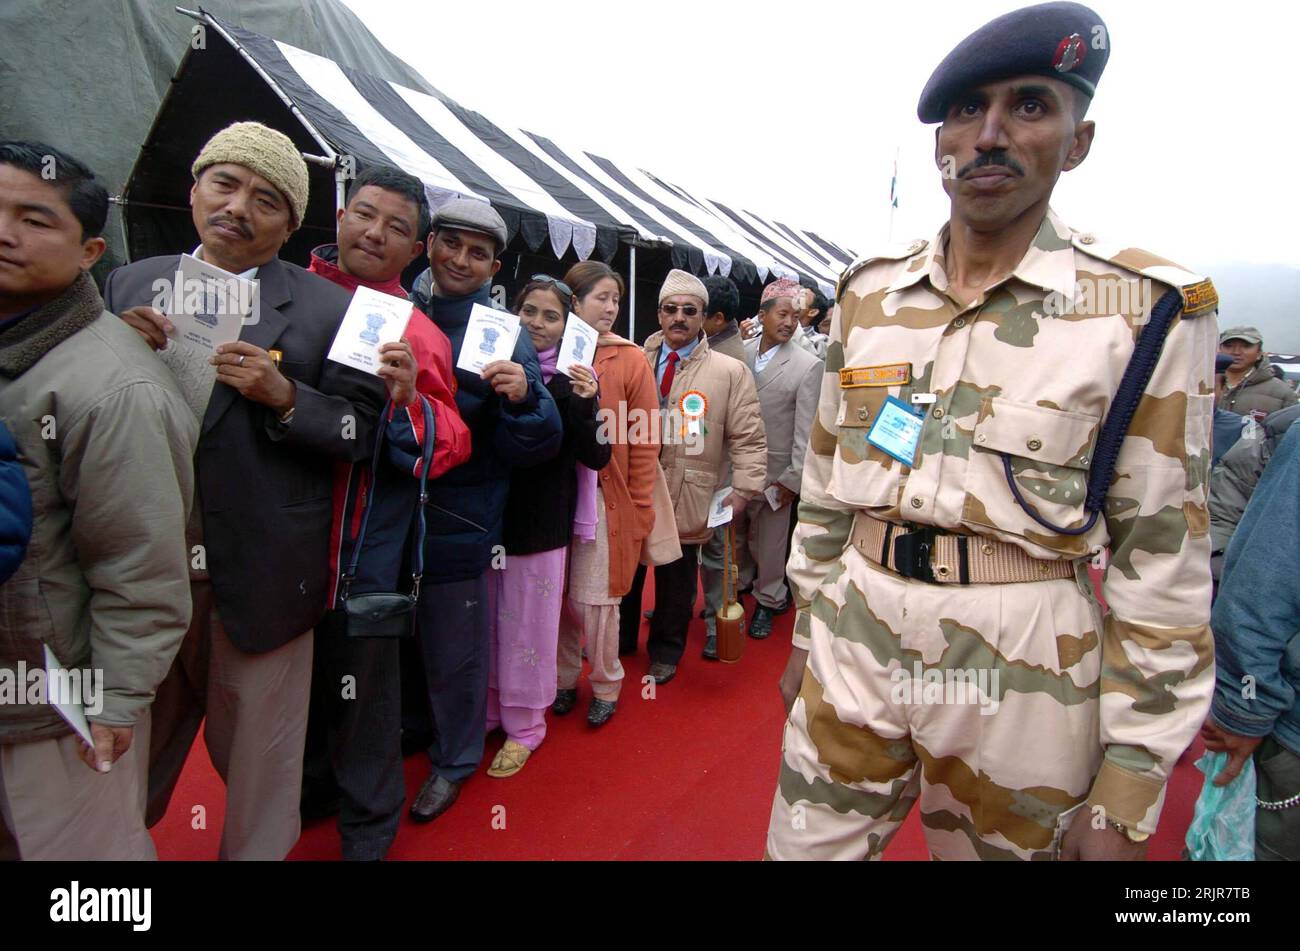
997,157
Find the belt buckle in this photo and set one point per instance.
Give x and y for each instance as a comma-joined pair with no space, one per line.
912,554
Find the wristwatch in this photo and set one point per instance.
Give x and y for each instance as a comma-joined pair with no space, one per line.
1133,835
287,417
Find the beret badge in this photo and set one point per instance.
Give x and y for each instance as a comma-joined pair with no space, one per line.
1069,53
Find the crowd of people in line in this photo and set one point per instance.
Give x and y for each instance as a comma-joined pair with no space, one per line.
177,496
199,533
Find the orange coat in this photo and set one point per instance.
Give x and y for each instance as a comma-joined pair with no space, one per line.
627,391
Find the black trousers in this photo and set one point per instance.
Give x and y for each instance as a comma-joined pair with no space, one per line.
353,743
676,585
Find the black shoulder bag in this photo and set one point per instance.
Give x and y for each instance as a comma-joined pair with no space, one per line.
382,613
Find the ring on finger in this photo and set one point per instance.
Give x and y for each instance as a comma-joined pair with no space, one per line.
241,360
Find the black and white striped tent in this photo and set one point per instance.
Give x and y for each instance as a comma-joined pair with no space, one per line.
560,203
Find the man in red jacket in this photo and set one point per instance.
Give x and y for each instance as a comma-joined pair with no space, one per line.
353,759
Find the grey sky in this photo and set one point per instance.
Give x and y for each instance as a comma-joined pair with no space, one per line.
796,109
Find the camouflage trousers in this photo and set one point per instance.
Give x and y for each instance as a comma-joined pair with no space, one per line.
981,701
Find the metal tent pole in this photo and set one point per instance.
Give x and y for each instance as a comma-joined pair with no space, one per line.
631,296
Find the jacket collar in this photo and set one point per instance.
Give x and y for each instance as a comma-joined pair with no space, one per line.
1048,263
24,343
656,340
324,261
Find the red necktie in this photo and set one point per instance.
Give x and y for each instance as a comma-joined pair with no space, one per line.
666,386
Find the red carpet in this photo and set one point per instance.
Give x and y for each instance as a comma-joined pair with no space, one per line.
689,774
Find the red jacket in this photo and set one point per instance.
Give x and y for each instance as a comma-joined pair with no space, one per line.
435,383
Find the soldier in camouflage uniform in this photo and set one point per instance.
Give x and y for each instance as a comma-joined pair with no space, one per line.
949,646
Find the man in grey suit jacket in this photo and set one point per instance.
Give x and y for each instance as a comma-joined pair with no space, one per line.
277,418
788,379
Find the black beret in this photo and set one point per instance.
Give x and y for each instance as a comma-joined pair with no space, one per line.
1066,41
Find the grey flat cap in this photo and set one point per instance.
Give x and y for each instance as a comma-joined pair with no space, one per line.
469,214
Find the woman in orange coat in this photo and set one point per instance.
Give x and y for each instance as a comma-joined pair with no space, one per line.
601,570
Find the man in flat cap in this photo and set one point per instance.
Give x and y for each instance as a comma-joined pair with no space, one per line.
1250,388
712,421
273,423
512,421
971,453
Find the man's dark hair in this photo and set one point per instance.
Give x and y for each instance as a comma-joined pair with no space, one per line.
724,296
396,181
87,198
821,304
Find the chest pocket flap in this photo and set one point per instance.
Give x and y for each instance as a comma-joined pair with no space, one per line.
1050,436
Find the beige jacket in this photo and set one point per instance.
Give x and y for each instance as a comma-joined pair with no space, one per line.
731,430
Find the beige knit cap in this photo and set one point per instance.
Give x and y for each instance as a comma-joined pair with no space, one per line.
265,151
679,282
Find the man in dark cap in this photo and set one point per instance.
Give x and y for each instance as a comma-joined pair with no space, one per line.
513,422
949,646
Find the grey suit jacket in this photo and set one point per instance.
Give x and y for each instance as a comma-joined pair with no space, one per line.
788,389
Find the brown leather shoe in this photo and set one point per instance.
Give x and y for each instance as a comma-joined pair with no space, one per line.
435,798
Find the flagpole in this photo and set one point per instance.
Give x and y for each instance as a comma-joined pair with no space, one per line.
893,196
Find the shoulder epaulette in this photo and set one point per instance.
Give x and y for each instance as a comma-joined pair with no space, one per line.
897,253
1198,293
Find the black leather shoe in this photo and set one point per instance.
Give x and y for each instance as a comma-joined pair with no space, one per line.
761,624
662,673
565,700
435,798
710,647
600,711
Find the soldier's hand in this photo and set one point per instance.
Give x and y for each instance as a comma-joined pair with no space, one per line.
111,742
1085,843
151,324
251,371
792,678
398,371
1239,749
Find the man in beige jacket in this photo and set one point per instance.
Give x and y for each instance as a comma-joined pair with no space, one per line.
710,414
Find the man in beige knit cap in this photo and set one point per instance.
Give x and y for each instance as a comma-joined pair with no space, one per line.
273,424
710,407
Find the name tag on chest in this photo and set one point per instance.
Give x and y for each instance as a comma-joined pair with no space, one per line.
896,431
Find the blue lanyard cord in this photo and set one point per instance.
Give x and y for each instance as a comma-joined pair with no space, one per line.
1131,387
417,558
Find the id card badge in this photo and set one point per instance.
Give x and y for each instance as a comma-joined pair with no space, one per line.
896,431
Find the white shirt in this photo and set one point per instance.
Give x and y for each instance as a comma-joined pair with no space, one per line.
246,275
762,359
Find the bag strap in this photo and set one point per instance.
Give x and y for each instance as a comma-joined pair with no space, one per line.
1146,353
426,459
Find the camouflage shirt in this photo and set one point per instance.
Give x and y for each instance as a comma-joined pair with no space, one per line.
1028,371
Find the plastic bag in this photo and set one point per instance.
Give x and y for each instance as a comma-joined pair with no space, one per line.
1223,826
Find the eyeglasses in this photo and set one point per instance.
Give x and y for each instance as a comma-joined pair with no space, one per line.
559,285
688,310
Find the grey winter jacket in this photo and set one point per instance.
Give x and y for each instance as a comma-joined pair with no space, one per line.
1234,479
107,443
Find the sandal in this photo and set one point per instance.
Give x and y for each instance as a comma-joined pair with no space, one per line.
509,760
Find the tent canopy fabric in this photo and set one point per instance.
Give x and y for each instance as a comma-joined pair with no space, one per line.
87,76
548,191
